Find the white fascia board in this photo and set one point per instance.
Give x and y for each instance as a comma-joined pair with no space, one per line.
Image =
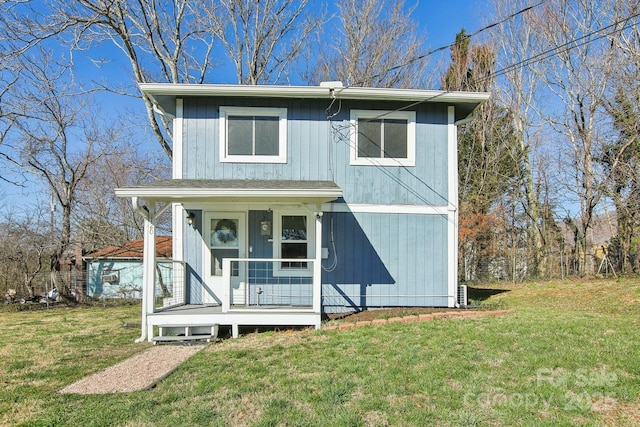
380,94
161,193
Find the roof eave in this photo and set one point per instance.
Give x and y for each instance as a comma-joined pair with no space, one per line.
164,94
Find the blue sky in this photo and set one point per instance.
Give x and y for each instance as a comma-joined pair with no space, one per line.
442,19
439,19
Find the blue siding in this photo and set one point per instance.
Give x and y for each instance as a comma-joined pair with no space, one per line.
319,150
193,258
385,260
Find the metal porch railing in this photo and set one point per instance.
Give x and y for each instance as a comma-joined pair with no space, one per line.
170,287
270,283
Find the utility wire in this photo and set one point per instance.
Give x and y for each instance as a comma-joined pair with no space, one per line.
442,48
565,47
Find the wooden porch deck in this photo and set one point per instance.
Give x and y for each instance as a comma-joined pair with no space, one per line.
236,317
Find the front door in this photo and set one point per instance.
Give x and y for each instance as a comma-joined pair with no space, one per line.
225,237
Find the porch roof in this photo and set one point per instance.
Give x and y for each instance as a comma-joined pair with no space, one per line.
184,190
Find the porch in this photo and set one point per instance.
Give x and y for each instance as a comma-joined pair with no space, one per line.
253,295
252,247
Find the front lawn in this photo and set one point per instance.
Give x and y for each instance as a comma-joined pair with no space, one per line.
568,356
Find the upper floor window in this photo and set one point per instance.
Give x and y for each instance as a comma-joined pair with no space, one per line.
385,138
253,135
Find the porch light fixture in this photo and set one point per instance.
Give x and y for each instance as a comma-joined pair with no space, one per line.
191,218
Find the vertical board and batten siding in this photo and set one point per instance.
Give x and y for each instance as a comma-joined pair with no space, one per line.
306,142
193,257
424,184
319,150
384,259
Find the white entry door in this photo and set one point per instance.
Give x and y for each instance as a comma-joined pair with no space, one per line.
225,237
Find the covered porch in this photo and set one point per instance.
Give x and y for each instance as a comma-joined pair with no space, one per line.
246,253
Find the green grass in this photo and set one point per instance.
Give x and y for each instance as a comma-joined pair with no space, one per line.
568,356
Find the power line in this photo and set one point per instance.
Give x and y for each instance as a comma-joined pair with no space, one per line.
442,48
565,47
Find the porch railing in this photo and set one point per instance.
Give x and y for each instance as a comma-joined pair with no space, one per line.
170,284
265,283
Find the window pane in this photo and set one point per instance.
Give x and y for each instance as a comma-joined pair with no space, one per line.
294,250
395,139
294,227
369,140
267,136
239,136
216,261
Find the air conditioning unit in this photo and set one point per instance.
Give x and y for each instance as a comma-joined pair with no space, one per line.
109,278
462,295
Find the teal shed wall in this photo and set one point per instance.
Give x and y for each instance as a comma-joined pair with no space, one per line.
129,285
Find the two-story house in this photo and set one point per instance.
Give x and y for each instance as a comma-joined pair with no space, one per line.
289,202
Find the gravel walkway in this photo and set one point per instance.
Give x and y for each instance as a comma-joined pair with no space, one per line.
139,372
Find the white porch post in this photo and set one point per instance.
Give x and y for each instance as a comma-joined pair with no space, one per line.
317,267
149,268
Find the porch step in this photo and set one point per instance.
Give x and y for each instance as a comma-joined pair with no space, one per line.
176,332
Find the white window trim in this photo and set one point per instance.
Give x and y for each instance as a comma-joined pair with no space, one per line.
281,113
409,116
278,271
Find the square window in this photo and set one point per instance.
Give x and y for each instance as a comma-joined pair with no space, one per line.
253,135
383,138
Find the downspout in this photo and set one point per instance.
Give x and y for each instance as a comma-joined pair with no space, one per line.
466,119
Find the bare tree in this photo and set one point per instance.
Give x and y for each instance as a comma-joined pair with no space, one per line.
263,38
621,154
375,44
576,79
103,219
162,41
55,138
517,90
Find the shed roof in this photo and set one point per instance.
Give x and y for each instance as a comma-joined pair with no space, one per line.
133,249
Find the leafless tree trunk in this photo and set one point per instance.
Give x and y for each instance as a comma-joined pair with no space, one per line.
162,41
517,91
263,38
576,78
